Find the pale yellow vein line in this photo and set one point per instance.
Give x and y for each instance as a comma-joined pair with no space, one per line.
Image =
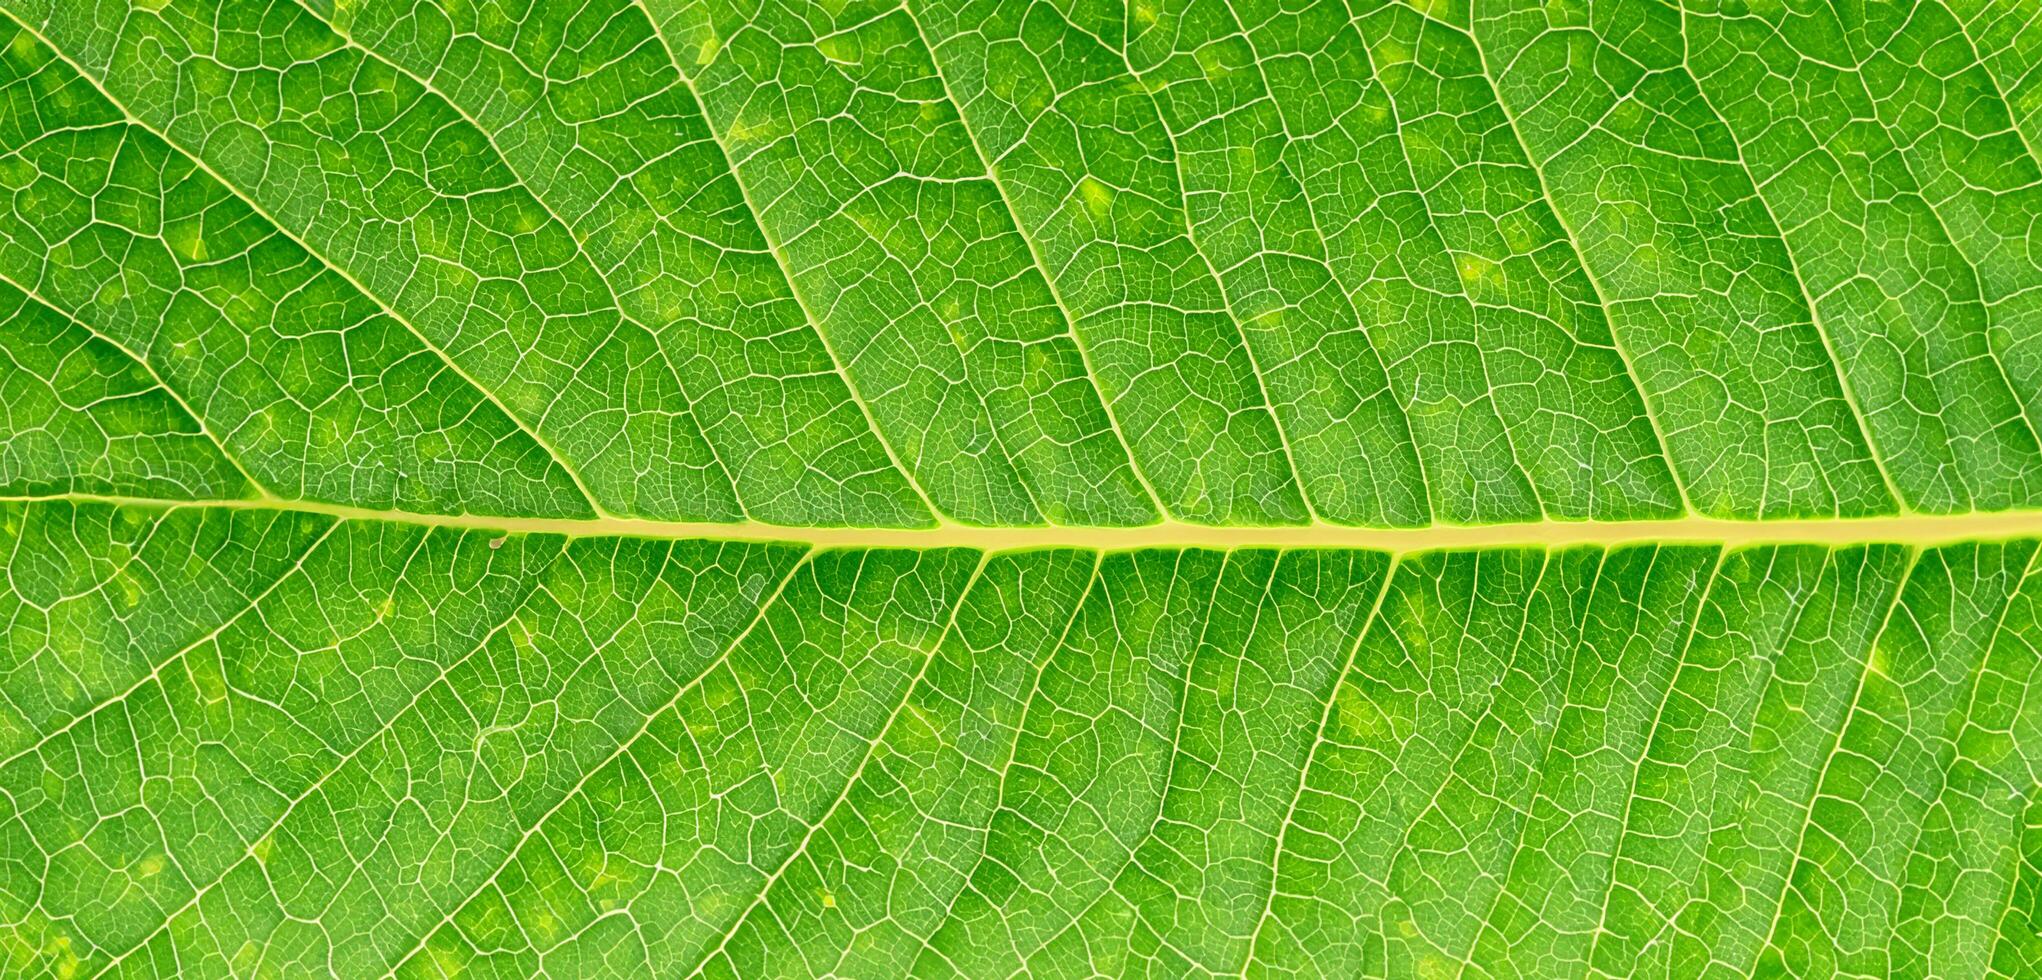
843,368
136,120
1324,258
1319,739
262,491
1535,784
573,235
1843,727
1645,747
1581,255
1915,529
1035,254
252,852
1424,195
1978,279
1822,332
156,670
914,684
1030,705
1191,236
1999,90
574,792
2033,568
1110,882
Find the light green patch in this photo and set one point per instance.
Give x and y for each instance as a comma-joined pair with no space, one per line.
1097,196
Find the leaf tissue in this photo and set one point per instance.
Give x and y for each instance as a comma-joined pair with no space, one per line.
989,488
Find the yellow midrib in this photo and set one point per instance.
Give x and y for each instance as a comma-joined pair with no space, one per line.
1917,529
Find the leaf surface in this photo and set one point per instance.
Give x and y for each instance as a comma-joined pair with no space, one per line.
975,488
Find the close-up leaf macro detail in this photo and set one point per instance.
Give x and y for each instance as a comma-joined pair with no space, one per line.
1050,488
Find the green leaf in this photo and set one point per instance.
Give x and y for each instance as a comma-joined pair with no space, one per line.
974,488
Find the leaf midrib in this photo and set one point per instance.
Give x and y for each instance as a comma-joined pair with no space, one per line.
1922,530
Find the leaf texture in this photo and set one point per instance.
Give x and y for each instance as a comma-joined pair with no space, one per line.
977,488
1009,264
365,748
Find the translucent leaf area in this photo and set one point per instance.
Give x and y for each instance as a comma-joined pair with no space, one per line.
992,488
